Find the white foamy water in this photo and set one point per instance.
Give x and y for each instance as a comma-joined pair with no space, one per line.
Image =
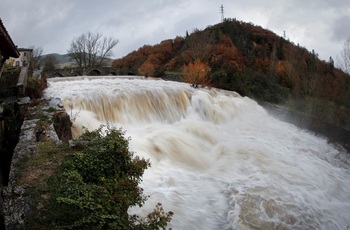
219,161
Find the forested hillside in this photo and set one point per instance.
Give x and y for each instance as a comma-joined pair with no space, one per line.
253,61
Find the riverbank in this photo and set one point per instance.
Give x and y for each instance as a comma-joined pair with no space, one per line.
335,134
31,162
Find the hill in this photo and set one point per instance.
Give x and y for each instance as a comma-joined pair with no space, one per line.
64,60
255,62
235,50
61,58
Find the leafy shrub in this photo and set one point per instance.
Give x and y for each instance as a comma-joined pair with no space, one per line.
263,88
8,82
35,87
250,84
97,184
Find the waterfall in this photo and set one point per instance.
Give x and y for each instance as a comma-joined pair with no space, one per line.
218,160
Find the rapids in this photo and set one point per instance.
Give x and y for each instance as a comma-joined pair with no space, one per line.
218,160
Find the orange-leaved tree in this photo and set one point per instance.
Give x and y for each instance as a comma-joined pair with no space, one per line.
196,73
147,69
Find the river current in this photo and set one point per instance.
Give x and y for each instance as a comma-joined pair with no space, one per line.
218,160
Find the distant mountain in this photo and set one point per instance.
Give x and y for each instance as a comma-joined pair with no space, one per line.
64,60
61,58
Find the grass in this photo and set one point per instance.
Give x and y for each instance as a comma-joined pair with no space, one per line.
33,174
172,73
35,169
51,110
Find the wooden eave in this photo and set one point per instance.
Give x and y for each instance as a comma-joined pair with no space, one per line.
7,47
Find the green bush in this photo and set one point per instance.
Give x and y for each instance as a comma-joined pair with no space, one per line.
35,87
97,184
8,82
263,88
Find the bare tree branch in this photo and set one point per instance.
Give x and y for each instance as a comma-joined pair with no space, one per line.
50,63
91,50
36,57
344,58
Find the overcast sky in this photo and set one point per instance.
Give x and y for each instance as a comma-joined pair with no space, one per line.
322,25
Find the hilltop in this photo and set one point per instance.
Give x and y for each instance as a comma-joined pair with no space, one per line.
235,49
254,62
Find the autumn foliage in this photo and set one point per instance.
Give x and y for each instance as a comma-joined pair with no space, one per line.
196,73
147,69
248,59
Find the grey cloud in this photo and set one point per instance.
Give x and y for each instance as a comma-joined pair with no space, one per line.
52,24
341,28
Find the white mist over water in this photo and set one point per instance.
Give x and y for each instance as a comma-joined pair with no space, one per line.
218,160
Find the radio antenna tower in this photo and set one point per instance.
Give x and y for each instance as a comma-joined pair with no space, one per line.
222,13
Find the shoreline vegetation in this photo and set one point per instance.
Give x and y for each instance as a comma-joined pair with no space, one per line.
54,185
287,79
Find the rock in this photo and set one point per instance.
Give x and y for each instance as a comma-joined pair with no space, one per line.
16,204
62,125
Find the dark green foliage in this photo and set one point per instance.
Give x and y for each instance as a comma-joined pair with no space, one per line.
159,72
254,85
35,87
97,184
280,50
263,88
8,82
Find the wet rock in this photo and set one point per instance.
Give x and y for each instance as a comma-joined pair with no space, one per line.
62,125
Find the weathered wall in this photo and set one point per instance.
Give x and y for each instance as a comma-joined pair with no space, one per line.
33,130
11,118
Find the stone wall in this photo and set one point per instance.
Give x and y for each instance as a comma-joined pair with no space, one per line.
11,118
40,124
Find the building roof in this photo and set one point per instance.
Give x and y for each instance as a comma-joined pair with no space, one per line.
24,49
7,47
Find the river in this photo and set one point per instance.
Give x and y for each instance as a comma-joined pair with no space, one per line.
218,160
